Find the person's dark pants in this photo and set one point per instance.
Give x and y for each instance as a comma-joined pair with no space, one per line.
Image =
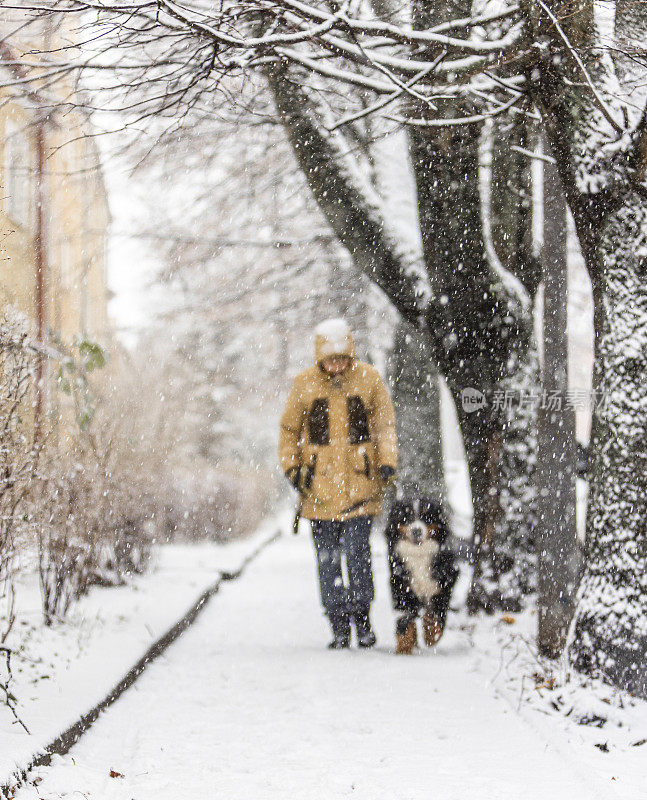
349,541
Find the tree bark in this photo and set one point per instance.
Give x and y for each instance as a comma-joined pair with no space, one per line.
610,634
604,179
558,553
500,439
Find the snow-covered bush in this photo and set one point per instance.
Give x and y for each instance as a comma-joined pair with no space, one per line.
94,528
119,480
18,453
94,503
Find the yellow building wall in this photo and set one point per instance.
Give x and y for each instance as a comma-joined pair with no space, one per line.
77,233
76,220
17,243
76,223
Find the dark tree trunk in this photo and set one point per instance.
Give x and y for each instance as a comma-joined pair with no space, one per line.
351,210
500,442
611,620
558,552
499,438
604,179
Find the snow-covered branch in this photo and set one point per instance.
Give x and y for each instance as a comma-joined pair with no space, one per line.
467,120
184,46
350,205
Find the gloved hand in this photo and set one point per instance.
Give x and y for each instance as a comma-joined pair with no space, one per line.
386,473
293,475
301,477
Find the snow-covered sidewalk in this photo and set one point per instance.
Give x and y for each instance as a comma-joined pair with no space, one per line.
61,672
250,704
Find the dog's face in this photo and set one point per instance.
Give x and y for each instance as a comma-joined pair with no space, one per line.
418,520
417,531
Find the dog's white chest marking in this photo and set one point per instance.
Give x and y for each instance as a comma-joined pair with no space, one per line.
418,559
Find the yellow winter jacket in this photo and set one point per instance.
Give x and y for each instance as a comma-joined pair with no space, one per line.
343,429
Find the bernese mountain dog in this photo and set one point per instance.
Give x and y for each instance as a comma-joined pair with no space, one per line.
422,567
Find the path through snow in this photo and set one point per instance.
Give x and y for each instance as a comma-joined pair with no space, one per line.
249,705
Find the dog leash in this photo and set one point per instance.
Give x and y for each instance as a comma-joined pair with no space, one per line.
361,503
349,510
297,516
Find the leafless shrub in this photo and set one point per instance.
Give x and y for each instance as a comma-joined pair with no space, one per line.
95,530
122,481
18,452
63,554
93,504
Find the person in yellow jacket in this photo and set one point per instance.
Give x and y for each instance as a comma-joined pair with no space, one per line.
338,448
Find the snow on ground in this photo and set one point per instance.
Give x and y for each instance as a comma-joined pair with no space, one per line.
61,672
598,730
250,704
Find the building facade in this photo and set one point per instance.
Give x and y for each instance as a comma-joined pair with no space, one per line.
53,218
54,214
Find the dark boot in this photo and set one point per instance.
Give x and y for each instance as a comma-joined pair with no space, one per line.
340,624
365,635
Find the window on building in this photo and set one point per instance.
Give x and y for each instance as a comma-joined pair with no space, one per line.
19,175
